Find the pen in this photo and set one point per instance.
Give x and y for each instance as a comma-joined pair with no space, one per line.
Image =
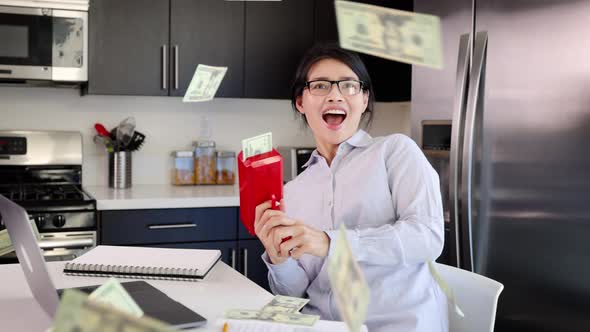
225,327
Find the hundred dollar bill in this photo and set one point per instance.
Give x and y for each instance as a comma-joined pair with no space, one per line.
113,294
285,304
389,33
5,242
204,84
76,313
256,145
278,317
348,284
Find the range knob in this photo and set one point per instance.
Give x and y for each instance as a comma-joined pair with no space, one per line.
40,220
59,221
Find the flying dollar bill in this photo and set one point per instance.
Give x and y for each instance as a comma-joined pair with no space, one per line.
204,84
256,145
348,284
5,242
389,33
282,303
77,313
277,317
113,294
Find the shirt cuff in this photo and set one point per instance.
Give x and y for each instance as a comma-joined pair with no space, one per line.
353,240
279,271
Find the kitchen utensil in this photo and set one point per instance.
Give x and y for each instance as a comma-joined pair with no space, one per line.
125,131
101,130
136,141
105,141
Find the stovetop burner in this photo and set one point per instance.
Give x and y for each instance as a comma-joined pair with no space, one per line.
43,192
51,192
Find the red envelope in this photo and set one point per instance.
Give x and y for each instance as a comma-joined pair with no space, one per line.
261,179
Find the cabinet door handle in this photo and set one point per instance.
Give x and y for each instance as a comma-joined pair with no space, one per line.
175,49
164,68
233,259
246,262
168,226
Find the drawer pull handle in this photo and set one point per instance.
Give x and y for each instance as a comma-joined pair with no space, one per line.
187,225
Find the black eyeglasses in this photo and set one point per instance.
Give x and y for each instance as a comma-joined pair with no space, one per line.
323,87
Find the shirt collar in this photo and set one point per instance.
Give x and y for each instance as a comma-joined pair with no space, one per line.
360,139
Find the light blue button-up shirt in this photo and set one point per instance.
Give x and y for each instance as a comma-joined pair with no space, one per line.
387,195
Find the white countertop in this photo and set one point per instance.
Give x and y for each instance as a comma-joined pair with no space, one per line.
223,288
164,196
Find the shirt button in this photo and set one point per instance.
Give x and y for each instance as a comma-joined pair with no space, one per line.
329,203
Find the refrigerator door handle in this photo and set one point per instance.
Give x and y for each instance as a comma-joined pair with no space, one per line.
459,105
473,96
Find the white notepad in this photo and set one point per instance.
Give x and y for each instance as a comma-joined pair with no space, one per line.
144,262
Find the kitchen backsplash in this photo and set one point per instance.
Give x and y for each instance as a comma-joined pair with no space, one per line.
168,124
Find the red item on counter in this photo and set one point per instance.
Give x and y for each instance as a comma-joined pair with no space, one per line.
260,179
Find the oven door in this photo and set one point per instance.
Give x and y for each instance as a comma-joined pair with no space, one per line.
63,246
26,39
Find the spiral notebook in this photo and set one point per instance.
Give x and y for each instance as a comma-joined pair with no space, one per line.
144,263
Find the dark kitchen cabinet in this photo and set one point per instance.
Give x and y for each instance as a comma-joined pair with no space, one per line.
277,35
391,79
197,228
209,32
127,40
251,264
153,47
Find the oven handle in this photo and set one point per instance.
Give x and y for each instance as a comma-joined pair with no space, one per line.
66,243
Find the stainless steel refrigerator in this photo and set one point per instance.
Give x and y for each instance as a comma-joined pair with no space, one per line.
516,85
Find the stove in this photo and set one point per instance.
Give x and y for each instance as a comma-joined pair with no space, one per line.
42,172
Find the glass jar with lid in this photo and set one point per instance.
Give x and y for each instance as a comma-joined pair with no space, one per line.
205,171
226,167
183,171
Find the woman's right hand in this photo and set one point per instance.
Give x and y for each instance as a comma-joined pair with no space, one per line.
265,231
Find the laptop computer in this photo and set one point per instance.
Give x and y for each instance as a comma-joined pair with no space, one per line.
152,301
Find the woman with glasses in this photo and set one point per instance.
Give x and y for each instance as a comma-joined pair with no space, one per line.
382,189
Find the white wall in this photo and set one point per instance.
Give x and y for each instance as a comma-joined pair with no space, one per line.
168,124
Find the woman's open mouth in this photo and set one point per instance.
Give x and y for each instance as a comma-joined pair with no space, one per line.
334,118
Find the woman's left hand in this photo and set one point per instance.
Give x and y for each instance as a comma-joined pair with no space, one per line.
304,239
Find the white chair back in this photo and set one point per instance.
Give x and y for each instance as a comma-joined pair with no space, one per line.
476,295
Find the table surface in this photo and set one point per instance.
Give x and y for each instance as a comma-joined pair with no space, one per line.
223,288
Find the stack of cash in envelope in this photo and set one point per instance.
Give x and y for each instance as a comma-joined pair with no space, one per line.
256,145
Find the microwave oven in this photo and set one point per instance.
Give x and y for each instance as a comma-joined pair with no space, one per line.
293,160
47,44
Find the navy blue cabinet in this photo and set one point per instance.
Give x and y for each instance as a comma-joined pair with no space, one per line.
197,228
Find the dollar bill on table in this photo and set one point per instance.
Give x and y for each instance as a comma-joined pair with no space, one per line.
282,303
204,84
393,34
257,145
111,293
77,313
350,288
5,242
277,317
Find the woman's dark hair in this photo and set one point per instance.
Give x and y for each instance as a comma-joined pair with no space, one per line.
332,51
